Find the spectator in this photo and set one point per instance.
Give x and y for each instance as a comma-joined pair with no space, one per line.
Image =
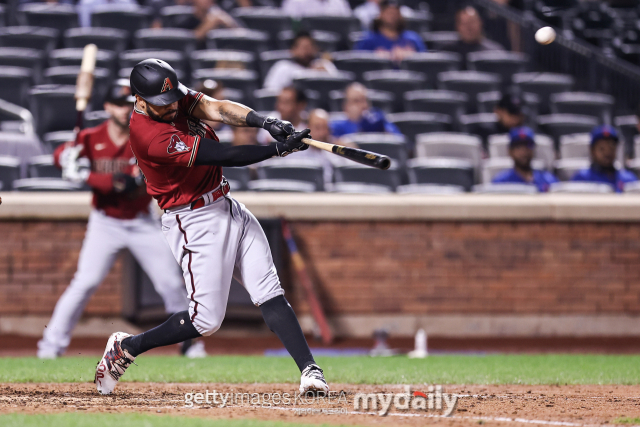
207,16
319,127
370,9
469,28
509,113
87,7
521,150
604,145
360,116
388,36
304,56
290,106
300,8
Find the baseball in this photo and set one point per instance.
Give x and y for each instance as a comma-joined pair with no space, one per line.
545,35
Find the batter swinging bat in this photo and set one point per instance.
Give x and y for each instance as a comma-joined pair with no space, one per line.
361,156
84,83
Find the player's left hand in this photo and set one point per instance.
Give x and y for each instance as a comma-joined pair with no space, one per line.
123,183
279,129
293,143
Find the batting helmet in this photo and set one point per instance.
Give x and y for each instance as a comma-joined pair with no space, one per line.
156,82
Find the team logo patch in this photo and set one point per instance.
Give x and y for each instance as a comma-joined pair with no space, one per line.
166,85
176,145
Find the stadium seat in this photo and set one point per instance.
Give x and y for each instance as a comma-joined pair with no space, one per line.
39,38
9,172
121,16
500,62
265,99
356,173
238,39
438,40
14,84
432,63
281,185
430,189
43,167
412,124
543,85
498,146
632,187
165,39
267,59
222,59
53,107
586,103
358,188
505,188
304,170
244,80
478,124
360,61
487,102
68,74
323,83
395,81
436,101
94,118
442,171
567,168
48,15
577,146
451,145
129,58
22,57
178,16
105,59
266,19
381,100
470,82
557,125
388,144
46,184
326,41
111,39
341,25
492,166
580,188
628,127
239,175
416,20
52,140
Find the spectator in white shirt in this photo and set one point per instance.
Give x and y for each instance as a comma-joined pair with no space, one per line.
301,8
304,56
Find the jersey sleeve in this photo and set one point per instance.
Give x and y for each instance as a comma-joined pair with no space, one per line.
173,147
189,102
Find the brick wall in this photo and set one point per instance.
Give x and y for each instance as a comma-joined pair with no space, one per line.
37,262
385,267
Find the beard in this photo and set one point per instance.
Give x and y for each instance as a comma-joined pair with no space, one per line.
163,118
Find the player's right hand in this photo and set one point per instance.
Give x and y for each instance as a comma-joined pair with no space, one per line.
293,143
279,129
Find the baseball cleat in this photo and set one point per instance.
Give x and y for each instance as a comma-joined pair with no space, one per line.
196,350
113,364
312,380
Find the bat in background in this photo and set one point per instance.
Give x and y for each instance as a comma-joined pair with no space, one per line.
365,157
312,298
84,83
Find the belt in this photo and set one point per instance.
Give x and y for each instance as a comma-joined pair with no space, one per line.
212,196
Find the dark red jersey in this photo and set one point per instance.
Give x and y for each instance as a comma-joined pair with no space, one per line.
107,159
166,154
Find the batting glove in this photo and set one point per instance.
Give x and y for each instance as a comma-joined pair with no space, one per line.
279,129
293,143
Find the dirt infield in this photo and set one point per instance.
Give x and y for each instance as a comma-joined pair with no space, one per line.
584,405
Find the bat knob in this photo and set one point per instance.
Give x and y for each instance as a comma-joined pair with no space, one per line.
383,162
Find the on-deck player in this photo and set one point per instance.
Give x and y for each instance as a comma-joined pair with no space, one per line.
120,219
213,236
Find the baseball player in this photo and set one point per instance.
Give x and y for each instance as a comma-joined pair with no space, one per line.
212,236
120,219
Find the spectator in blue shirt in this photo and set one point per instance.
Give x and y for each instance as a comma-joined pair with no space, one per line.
521,150
388,36
360,116
604,145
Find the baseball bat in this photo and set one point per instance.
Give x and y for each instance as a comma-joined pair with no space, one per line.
312,299
365,157
84,82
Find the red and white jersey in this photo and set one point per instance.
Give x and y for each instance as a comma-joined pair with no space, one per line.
166,153
106,159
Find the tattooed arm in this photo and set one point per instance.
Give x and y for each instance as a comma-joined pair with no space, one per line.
234,114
